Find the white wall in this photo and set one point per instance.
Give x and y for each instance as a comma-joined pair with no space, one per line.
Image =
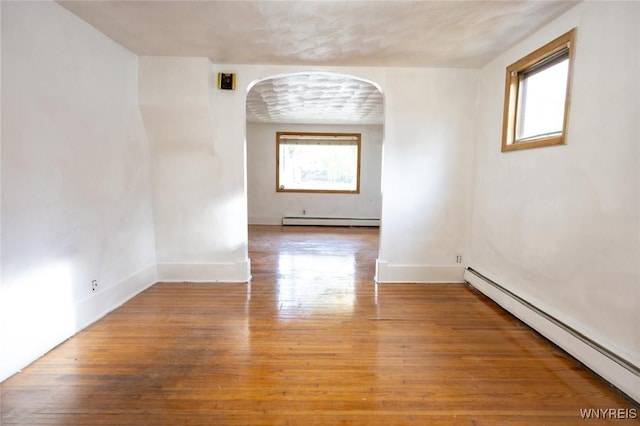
200,192
198,173
268,207
429,136
76,195
426,166
560,226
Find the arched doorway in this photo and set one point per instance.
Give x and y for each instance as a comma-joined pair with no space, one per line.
316,103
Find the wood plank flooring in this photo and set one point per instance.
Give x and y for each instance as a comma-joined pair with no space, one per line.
311,341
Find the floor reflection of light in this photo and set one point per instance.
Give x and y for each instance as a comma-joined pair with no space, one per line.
312,284
375,294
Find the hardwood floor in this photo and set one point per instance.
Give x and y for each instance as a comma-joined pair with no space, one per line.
311,341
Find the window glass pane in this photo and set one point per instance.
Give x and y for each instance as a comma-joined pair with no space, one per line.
541,101
317,166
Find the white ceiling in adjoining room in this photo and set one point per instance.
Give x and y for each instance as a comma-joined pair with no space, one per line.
315,98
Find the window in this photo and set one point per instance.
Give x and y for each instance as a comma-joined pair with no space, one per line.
537,95
318,162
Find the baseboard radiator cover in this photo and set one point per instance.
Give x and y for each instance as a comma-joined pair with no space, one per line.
328,221
618,371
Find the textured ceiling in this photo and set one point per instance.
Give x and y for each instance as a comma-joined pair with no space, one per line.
350,33
315,98
380,33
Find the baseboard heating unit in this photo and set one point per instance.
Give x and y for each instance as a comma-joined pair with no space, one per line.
328,221
617,370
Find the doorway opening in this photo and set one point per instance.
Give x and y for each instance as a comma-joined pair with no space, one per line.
304,106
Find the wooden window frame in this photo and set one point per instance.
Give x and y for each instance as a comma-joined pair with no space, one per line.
514,71
358,140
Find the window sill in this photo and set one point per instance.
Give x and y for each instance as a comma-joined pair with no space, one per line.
534,143
317,191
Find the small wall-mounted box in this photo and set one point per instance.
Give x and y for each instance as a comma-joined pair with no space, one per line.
226,81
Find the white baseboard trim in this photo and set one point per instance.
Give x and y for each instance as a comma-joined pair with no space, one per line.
265,220
329,221
103,301
579,347
238,272
390,273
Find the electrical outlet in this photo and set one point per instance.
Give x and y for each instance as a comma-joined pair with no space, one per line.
304,212
459,258
94,285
